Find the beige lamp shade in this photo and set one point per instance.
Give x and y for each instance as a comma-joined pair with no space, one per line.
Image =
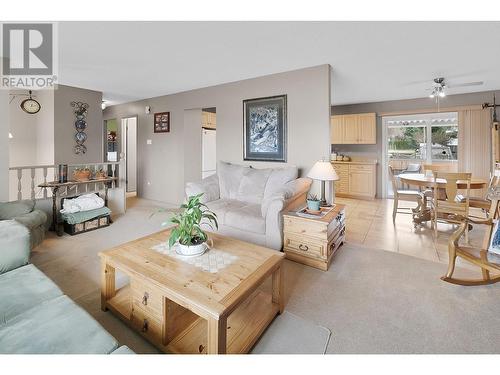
323,171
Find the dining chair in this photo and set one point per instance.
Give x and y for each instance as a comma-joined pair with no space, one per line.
485,203
411,168
433,168
450,207
483,257
403,195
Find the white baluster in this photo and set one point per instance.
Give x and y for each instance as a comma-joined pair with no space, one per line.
19,185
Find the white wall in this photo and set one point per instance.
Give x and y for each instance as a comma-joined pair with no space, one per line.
4,145
162,165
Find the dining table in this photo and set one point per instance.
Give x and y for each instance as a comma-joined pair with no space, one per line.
424,181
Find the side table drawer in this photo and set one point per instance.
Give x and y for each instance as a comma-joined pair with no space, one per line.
304,246
147,324
300,227
147,298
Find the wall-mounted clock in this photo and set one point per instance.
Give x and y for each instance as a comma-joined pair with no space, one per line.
30,105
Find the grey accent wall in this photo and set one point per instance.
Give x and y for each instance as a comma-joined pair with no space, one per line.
162,165
420,104
64,125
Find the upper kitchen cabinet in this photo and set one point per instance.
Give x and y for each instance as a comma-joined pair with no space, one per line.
354,129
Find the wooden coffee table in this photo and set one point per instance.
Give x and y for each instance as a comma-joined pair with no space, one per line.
181,308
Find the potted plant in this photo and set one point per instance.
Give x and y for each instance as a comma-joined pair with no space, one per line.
312,202
100,174
82,174
187,234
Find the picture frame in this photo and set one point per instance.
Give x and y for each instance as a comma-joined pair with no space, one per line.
265,129
161,122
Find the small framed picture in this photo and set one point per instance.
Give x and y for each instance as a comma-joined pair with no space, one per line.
162,122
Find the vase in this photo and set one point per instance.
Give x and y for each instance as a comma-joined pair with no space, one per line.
313,205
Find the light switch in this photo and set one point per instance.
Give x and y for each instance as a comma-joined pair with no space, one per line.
149,141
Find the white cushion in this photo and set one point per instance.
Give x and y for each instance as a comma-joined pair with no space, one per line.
252,185
238,214
279,177
246,218
230,176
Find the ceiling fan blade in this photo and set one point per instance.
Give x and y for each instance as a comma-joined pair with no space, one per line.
478,83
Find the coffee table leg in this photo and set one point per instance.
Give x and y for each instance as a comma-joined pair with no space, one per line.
279,288
217,336
107,283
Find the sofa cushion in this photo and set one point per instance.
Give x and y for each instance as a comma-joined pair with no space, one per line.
252,185
14,245
221,206
22,289
230,176
10,210
57,326
248,218
279,177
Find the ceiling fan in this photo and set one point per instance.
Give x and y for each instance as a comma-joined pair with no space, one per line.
439,85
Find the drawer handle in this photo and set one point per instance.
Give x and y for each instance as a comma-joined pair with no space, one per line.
145,298
303,247
145,325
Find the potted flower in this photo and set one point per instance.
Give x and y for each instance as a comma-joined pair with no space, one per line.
100,174
312,202
82,174
187,234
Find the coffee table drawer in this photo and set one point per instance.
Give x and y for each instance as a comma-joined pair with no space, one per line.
147,324
304,246
147,298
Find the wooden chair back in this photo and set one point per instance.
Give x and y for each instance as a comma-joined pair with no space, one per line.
436,168
393,180
450,204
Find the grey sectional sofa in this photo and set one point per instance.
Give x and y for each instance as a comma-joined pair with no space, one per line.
249,202
35,316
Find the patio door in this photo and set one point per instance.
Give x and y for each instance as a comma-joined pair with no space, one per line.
409,141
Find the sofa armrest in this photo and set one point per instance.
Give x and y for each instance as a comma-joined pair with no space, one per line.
14,245
33,219
208,186
289,193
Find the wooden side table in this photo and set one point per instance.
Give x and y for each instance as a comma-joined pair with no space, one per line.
314,241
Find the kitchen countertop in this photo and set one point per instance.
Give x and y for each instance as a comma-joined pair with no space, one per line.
371,162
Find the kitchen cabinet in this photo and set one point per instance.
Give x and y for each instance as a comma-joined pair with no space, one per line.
208,120
357,179
358,128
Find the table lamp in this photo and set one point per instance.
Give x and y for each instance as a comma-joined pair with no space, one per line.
323,171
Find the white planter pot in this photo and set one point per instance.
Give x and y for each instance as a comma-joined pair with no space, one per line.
191,250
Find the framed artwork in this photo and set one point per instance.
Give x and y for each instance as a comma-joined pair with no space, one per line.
162,122
264,129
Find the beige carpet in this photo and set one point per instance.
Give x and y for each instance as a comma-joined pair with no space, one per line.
372,301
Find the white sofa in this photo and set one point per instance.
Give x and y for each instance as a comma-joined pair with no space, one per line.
249,202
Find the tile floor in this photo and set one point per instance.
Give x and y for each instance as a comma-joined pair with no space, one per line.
369,223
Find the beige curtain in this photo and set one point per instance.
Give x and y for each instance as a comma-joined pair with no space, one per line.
474,144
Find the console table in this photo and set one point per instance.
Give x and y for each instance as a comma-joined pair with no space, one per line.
54,186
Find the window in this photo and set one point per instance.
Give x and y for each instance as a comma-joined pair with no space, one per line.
444,139
406,141
429,137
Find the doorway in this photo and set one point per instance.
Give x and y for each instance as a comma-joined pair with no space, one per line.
409,141
129,151
208,142
111,150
